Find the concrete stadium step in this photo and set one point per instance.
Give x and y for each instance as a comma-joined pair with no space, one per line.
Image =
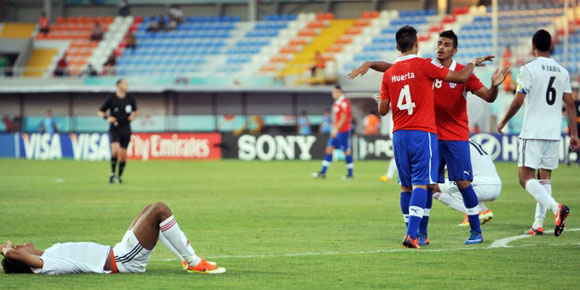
17,30
39,61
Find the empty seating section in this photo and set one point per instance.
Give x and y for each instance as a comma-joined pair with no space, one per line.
378,42
279,44
185,49
261,35
78,31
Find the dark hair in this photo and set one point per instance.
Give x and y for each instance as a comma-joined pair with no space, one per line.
119,81
451,35
14,267
406,38
542,40
338,87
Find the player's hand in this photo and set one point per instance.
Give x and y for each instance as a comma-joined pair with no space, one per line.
111,119
8,245
500,127
499,76
378,98
574,143
132,117
479,61
361,70
333,133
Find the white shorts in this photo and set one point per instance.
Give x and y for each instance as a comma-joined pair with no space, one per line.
130,256
484,192
539,154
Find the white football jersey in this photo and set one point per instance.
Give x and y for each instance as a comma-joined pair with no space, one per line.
484,172
544,82
71,258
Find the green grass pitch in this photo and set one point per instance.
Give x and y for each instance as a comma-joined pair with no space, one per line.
272,226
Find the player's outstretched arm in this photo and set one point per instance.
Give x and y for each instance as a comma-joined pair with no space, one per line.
379,66
513,109
463,75
572,121
490,95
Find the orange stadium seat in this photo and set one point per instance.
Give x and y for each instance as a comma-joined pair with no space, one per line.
289,49
344,40
424,37
353,31
362,23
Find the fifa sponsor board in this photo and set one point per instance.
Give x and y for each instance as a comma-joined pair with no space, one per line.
192,146
267,147
45,146
96,146
175,146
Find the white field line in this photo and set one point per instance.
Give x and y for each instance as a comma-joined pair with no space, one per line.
502,243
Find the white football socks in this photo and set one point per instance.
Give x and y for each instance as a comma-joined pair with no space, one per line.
541,210
172,233
541,195
168,245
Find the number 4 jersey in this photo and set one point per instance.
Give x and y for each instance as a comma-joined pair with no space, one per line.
544,82
408,84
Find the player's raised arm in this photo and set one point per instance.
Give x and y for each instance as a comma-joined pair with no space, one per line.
379,66
490,95
572,121
463,75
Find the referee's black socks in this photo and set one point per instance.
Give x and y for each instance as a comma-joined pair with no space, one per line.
121,167
113,164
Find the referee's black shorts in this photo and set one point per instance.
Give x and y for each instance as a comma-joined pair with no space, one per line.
121,136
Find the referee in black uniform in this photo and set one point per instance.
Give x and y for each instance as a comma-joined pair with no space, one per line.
119,110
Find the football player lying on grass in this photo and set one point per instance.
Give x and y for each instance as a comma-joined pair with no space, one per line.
154,222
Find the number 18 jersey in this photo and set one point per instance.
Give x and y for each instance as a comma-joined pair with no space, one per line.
408,84
544,82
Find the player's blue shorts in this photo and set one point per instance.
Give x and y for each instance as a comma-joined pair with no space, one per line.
342,141
416,157
456,155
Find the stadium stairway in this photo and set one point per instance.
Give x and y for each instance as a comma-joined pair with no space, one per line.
39,62
325,39
17,30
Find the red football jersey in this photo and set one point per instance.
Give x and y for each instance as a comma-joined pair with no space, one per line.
342,105
451,106
408,84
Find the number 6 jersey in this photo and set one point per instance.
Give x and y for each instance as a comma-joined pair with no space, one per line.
408,84
544,82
